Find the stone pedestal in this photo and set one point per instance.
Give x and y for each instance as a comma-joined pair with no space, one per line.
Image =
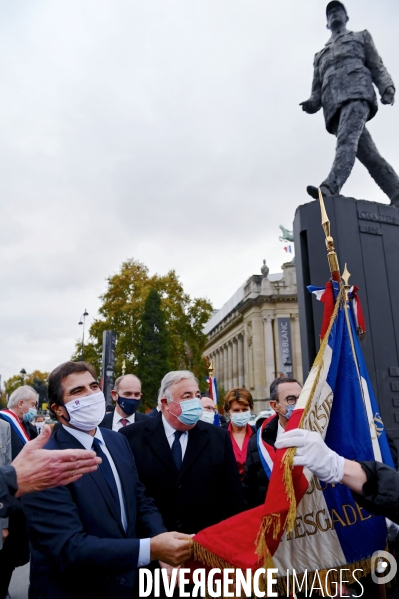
366,236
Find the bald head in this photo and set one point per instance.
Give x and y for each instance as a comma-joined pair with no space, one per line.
124,384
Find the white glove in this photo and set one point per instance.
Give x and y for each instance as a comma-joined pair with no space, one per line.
314,454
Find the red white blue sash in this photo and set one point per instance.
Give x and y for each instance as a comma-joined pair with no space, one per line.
13,420
266,451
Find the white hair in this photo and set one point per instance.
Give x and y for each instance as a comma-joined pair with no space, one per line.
24,392
169,380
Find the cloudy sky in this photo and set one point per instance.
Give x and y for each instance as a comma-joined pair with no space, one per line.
167,131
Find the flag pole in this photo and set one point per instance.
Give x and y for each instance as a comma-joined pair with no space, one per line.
331,254
336,276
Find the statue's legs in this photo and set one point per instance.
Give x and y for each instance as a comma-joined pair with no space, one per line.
382,172
348,129
354,140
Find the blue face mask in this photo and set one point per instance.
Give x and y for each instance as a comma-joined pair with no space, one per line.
191,410
30,415
288,411
129,406
241,419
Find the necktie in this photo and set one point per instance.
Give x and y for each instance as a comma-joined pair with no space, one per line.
106,470
124,421
176,449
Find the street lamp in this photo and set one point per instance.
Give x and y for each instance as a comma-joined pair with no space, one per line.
82,322
23,375
288,367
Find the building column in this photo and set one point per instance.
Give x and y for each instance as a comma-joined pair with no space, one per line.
258,358
225,368
230,364
217,364
249,357
270,366
241,372
235,363
296,348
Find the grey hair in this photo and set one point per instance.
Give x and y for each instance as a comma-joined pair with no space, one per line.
120,379
174,376
24,392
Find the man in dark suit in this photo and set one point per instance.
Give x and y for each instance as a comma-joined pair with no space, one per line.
89,537
127,395
21,410
186,465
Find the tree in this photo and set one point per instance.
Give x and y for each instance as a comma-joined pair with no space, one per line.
122,308
37,380
152,357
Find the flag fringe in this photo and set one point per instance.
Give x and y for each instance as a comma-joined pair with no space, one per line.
271,520
326,577
200,554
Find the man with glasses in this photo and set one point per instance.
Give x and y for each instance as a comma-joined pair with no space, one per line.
284,393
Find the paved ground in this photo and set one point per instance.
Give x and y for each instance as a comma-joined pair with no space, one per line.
19,583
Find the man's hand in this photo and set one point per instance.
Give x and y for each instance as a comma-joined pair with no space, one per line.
39,469
388,97
314,454
4,534
310,106
174,548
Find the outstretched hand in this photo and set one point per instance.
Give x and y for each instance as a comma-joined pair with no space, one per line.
310,106
39,469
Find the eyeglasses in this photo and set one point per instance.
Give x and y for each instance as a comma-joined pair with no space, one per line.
209,409
290,399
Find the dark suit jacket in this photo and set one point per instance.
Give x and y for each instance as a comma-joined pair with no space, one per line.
17,546
108,418
16,443
153,413
79,549
207,488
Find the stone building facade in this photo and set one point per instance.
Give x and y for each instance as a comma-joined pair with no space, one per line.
254,337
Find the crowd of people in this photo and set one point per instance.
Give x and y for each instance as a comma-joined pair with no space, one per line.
121,490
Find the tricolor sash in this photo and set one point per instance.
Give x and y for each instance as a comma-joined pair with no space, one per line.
14,422
266,451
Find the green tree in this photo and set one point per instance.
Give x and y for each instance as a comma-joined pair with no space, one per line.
122,308
152,357
36,379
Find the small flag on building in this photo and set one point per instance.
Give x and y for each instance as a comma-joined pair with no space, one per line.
288,248
213,392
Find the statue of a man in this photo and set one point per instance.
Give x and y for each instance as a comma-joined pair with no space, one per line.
344,73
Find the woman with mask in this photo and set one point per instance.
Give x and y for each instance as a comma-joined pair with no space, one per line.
238,405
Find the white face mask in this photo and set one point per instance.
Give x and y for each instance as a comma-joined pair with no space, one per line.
207,416
86,413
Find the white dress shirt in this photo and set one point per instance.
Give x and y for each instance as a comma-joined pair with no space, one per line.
280,429
87,441
170,435
116,420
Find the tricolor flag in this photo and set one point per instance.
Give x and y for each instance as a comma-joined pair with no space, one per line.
288,248
213,392
307,525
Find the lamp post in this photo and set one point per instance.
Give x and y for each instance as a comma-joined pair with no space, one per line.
23,375
82,322
288,367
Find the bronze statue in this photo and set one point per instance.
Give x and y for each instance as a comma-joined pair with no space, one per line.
344,73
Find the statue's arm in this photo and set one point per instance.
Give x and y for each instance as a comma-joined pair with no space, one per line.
314,103
381,77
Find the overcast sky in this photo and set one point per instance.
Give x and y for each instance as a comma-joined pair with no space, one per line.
167,131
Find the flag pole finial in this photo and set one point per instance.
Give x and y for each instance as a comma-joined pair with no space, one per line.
331,254
211,368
